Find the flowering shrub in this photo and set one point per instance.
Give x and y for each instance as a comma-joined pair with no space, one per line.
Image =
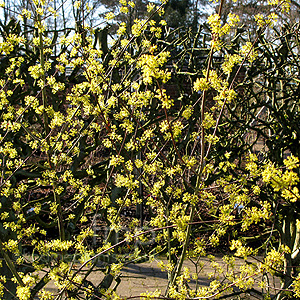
78,151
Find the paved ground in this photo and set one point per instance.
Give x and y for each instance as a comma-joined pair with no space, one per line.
147,276
139,278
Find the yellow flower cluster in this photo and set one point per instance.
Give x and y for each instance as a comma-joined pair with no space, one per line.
150,66
254,214
248,51
12,40
215,23
201,84
230,61
283,182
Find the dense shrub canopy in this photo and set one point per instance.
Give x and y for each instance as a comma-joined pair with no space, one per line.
109,139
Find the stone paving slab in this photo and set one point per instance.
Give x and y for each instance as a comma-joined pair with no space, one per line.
139,278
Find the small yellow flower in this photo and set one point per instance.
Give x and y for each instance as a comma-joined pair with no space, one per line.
291,162
23,292
131,4
201,84
150,7
124,9
77,4
248,51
